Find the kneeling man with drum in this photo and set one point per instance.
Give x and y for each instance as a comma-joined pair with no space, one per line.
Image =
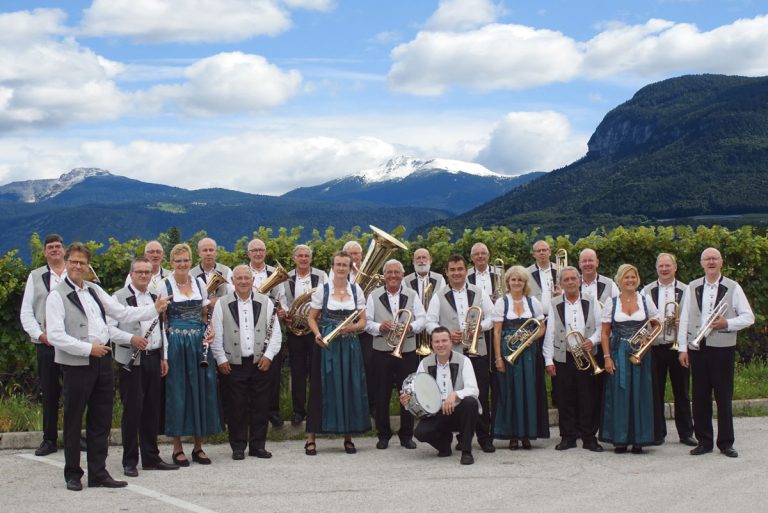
459,408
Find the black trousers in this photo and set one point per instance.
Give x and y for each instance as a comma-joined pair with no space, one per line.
390,372
438,430
712,372
247,406
49,373
300,351
667,361
275,377
140,395
366,346
493,383
89,386
599,387
483,427
576,402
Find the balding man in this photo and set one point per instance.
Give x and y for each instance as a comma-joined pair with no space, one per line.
482,274
543,274
713,360
153,250
207,250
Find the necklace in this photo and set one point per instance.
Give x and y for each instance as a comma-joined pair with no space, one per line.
180,284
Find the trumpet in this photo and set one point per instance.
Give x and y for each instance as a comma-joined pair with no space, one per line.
522,339
471,332
396,336
299,313
643,339
671,322
582,358
706,329
561,260
498,279
423,346
337,330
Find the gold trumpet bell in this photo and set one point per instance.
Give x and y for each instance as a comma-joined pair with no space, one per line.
382,245
214,283
276,278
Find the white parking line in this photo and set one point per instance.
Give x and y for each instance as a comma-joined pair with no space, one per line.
147,492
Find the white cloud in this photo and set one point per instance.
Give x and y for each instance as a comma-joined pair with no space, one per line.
506,56
151,21
463,14
228,83
532,141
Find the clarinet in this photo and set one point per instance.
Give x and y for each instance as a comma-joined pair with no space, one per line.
206,333
136,352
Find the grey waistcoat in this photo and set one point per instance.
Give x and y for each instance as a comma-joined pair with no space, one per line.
652,291
41,280
75,320
456,365
231,329
127,296
316,278
449,317
724,293
557,315
221,269
381,313
535,282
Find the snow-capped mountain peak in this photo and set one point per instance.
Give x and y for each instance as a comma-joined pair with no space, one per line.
32,191
403,166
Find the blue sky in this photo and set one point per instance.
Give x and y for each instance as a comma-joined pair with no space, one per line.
267,95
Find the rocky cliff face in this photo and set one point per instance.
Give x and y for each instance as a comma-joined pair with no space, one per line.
33,191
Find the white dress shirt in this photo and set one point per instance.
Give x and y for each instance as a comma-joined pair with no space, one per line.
591,288
373,327
483,280
28,321
638,315
316,303
443,378
574,320
121,337
272,346
462,304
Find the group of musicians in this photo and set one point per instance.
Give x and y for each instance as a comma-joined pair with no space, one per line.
487,336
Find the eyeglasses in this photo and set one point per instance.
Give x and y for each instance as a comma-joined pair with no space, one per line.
142,273
257,250
76,263
154,251
182,261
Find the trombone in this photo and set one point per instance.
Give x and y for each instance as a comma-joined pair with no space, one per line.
582,358
561,260
471,332
396,337
522,339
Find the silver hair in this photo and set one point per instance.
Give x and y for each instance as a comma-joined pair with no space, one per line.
394,261
567,268
301,246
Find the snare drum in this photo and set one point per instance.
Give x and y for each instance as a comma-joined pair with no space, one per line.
425,400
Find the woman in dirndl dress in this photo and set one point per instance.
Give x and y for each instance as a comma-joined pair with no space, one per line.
338,397
520,410
191,403
629,416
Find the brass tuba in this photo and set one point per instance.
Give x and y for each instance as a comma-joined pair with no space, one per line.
671,322
382,245
471,332
643,339
522,339
276,278
337,330
498,279
299,313
581,358
423,345
706,328
561,260
396,337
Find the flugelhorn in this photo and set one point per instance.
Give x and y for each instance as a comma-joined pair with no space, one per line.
561,260
522,339
471,332
337,330
278,276
382,245
671,323
299,313
706,329
643,339
424,346
582,358
396,336
498,279
216,281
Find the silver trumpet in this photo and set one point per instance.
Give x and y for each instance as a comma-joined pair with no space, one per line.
706,329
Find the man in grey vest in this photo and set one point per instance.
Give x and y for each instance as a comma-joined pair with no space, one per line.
154,251
301,280
207,250
246,340
39,284
712,363
666,293
577,389
142,355
449,308
76,317
543,274
382,305
458,388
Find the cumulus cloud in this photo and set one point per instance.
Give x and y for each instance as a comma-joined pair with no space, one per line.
532,141
507,56
192,21
463,14
227,83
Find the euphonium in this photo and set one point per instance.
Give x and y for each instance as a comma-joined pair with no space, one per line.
382,245
643,339
522,339
337,330
561,260
423,345
276,278
582,358
396,336
216,281
471,332
299,313
706,328
671,322
498,279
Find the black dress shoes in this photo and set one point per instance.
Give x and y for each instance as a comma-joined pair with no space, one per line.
46,447
296,420
486,446
689,441
444,453
594,447
730,452
107,482
74,485
408,444
383,443
564,445
700,449
467,458
276,420
238,455
260,453
161,465
130,471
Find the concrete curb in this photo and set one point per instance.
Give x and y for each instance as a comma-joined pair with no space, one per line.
31,439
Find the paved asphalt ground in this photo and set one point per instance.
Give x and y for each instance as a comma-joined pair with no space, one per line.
663,479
